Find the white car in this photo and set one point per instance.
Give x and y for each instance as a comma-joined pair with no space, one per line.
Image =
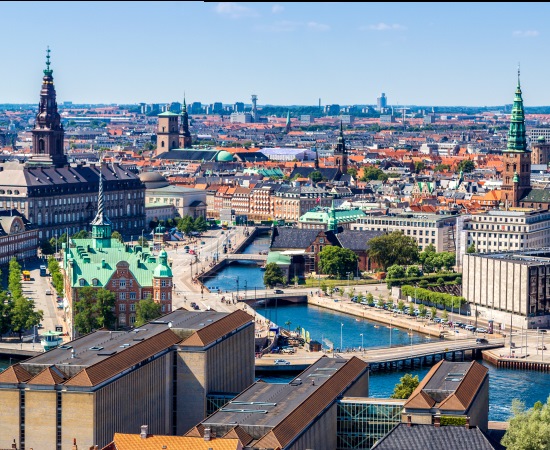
282,362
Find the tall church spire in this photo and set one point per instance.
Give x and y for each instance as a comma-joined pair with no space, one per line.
185,135
340,153
48,133
516,133
287,126
101,225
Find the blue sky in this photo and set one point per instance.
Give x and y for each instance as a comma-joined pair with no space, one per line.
286,53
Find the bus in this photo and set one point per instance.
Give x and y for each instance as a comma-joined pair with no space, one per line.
42,271
26,275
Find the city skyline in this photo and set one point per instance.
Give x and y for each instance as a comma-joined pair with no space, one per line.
451,54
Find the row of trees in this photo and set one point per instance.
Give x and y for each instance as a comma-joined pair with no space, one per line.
57,276
435,298
17,313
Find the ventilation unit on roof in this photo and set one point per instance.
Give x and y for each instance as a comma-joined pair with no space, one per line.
107,353
96,348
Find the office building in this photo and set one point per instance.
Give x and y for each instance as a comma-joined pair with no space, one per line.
161,374
382,103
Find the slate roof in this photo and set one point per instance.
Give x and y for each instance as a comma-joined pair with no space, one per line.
251,156
428,437
357,240
215,330
330,173
189,155
292,238
537,196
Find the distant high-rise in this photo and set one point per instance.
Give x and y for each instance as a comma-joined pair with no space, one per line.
254,108
238,107
382,102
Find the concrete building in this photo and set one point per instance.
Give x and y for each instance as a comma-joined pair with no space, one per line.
509,288
427,229
299,415
162,374
512,230
241,117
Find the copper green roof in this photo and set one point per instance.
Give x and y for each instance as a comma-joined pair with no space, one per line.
163,269
278,258
516,134
323,215
87,262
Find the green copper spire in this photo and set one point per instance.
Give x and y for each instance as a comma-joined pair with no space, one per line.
184,107
516,178
48,72
516,134
101,225
332,221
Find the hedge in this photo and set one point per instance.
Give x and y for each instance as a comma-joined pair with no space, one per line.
452,421
435,298
447,276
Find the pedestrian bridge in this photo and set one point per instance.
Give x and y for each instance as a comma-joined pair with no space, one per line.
244,257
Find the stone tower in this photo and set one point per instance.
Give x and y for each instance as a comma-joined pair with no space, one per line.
162,283
48,133
516,177
167,132
340,152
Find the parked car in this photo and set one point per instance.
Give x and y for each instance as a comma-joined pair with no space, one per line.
287,350
282,362
48,292
278,291
481,330
469,327
481,341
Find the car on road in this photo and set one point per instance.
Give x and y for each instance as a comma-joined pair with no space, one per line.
541,347
469,327
48,292
282,362
481,341
278,291
481,330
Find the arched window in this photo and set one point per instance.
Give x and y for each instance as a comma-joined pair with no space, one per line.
162,144
41,146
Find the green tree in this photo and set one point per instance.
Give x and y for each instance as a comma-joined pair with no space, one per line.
401,306
393,248
471,248
186,224
323,286
14,279
413,271
200,225
395,271
295,280
370,298
143,241
288,323
422,310
315,176
116,235
406,386
373,173
337,261
24,315
442,168
6,305
433,311
46,247
352,171
82,234
419,166
445,315
94,309
466,166
147,310
273,275
528,429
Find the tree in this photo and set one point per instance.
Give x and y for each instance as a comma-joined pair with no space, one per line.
393,248
14,279
6,305
323,286
82,234
395,271
471,248
406,386
143,241
370,298
445,315
116,235
337,261
419,166
147,310
94,309
422,310
442,168
295,280
200,225
288,323
315,176
466,166
352,171
373,173
528,429
401,306
273,275
413,271
186,224
23,315
433,311
46,247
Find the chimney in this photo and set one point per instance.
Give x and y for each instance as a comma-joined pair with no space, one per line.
467,423
14,445
409,420
207,434
75,447
143,433
437,421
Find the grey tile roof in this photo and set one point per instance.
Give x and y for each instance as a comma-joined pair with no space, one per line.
296,238
357,240
429,437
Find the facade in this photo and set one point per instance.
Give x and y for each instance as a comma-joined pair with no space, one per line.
18,237
105,382
186,201
320,218
299,415
132,273
58,197
510,288
511,230
540,151
427,229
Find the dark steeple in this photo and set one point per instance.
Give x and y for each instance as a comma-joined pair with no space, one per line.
48,134
185,135
340,153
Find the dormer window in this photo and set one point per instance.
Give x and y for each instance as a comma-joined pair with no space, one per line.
95,282
82,282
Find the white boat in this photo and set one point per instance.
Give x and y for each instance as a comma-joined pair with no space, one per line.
51,339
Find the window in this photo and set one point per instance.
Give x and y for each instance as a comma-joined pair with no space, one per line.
122,307
132,306
163,296
94,282
122,295
122,283
114,283
163,283
132,295
82,282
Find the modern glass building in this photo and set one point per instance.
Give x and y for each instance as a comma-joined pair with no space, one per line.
363,421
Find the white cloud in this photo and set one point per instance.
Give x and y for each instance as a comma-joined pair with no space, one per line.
287,26
276,9
384,27
234,10
526,33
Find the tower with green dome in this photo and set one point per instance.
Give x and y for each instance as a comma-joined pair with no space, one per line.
516,177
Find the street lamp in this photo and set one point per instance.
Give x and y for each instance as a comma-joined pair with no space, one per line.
415,286
341,342
362,346
348,274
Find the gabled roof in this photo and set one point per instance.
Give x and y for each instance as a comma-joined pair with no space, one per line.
239,433
218,329
462,397
120,361
292,238
428,437
357,240
124,441
295,423
49,376
15,374
197,431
